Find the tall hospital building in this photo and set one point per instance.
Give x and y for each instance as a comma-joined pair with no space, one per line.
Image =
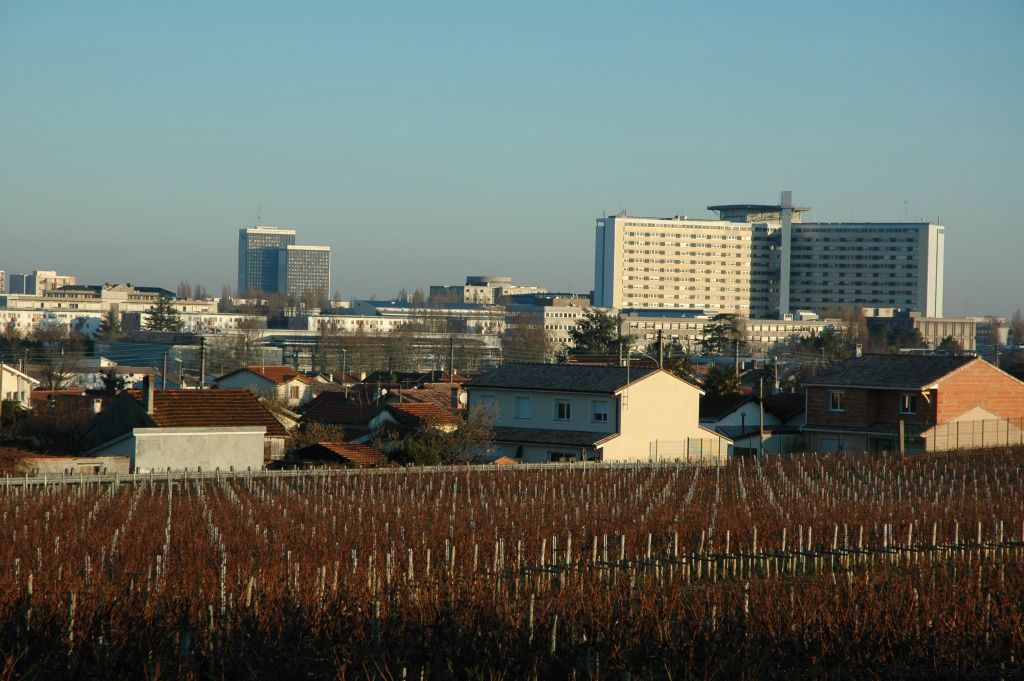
764,261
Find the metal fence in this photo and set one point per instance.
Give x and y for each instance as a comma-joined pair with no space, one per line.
703,451
8,482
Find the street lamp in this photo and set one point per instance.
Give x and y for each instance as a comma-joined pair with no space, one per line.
344,370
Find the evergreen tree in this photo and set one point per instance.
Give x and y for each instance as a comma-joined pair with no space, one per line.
113,383
596,333
163,316
110,325
721,381
720,335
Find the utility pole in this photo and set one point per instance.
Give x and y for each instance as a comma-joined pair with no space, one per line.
451,355
760,406
737,356
202,362
344,370
661,349
163,376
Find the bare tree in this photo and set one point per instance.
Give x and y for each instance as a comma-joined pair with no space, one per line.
250,331
184,289
331,353
525,339
59,356
855,324
225,304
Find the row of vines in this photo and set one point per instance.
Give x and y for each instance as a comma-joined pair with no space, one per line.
804,566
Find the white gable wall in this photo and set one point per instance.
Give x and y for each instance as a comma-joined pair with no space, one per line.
659,408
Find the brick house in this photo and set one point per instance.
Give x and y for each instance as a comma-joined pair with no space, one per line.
942,403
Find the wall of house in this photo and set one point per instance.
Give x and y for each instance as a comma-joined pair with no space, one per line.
829,443
305,393
748,414
864,407
157,449
77,465
543,409
659,408
15,387
975,428
775,443
979,384
542,453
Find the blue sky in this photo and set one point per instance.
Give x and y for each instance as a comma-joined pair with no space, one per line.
424,142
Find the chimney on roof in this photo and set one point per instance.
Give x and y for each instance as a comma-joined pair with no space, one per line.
858,351
147,394
97,405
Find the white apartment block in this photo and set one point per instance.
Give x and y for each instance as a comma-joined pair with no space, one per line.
81,308
764,261
198,322
100,299
26,321
760,335
475,321
712,265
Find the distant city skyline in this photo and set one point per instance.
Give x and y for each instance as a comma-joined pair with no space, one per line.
428,142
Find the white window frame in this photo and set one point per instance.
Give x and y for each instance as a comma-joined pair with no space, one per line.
559,403
523,408
595,414
837,401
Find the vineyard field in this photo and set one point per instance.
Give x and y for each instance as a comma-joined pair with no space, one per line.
838,566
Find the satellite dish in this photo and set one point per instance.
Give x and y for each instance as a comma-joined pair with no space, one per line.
463,398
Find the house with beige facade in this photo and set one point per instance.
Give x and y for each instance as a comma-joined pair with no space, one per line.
16,386
569,412
283,382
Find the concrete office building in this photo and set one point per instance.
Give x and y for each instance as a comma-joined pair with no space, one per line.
258,256
303,270
763,260
3,282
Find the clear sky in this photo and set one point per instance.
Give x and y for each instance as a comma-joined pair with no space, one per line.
427,141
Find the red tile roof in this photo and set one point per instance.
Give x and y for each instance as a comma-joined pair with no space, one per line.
422,413
16,453
334,408
358,454
438,394
276,374
211,408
